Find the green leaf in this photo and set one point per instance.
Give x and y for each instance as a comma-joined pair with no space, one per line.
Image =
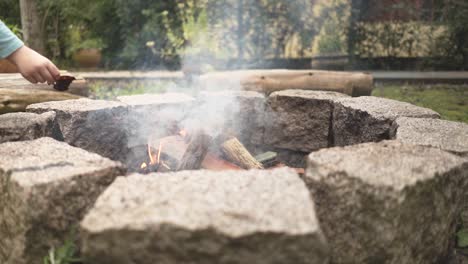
462,238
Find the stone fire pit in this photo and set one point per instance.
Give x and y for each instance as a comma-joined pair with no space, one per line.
385,181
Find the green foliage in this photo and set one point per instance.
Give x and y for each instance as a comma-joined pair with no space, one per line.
178,30
10,15
451,101
330,16
393,36
453,46
271,24
393,39
437,30
111,90
10,12
79,41
194,30
70,25
462,238
141,22
66,254
15,29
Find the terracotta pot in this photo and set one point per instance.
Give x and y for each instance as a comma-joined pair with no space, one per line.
88,58
7,67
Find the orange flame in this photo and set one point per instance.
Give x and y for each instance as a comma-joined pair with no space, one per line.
159,151
150,155
155,159
183,133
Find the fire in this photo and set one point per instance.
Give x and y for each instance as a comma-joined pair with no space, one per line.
155,159
151,155
159,151
183,133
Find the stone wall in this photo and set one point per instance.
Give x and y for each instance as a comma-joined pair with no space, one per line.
385,182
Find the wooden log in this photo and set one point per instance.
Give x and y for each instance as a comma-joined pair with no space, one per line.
235,152
196,151
269,81
16,100
174,148
16,81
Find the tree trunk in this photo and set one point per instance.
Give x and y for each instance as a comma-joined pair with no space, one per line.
31,24
356,6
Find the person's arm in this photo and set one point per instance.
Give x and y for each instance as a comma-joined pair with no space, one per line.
33,66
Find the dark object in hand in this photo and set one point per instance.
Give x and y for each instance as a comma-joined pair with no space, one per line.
63,82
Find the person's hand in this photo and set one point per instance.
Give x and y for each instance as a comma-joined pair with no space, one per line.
33,66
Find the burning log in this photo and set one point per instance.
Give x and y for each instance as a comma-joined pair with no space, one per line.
182,152
195,152
237,153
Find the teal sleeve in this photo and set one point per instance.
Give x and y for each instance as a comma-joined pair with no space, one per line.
9,42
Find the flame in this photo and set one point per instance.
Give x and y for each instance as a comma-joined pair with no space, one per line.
150,155
159,151
183,133
143,165
155,159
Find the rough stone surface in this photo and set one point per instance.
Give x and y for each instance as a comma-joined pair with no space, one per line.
46,188
387,202
299,120
154,115
205,217
240,113
368,119
94,125
28,126
446,135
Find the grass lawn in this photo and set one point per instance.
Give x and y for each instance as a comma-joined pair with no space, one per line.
110,90
451,101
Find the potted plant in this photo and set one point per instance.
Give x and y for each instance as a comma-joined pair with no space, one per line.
84,49
87,53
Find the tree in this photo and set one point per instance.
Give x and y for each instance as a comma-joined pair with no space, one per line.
31,23
455,15
356,12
